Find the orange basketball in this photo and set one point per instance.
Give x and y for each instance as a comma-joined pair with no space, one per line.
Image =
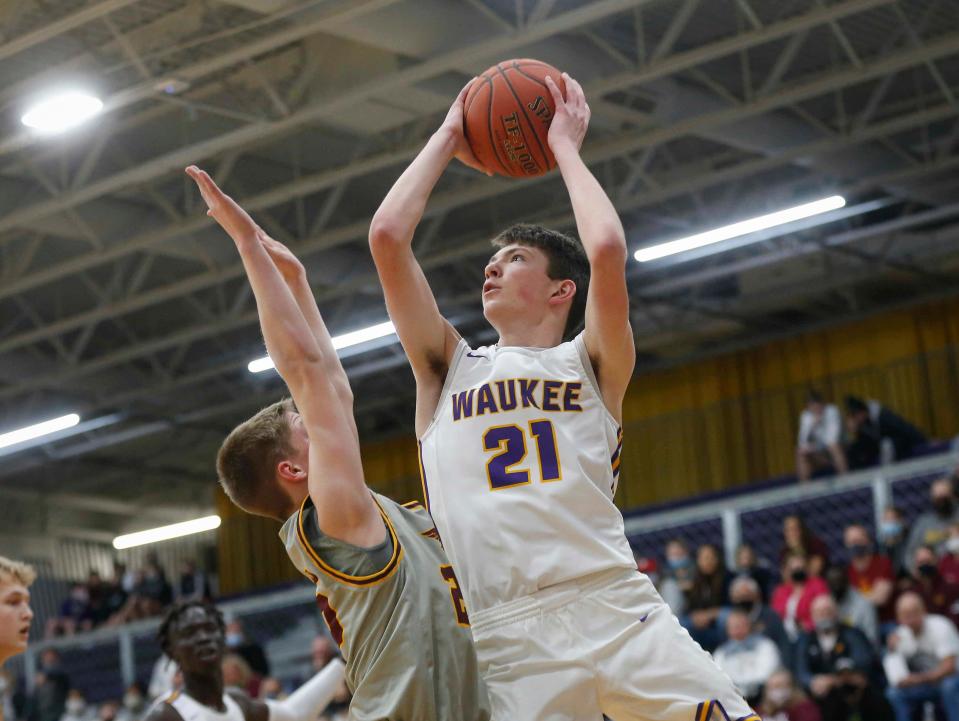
507,112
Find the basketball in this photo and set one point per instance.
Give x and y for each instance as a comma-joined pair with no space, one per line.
507,113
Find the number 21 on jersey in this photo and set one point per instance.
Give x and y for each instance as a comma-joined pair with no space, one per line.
509,445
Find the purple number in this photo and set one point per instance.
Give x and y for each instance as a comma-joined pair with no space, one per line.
511,444
546,445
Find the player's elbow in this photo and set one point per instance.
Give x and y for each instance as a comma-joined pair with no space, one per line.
609,248
386,235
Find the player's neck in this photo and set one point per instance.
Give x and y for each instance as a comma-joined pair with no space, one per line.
206,689
525,335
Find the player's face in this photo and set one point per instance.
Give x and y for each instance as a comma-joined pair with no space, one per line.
198,642
15,618
516,281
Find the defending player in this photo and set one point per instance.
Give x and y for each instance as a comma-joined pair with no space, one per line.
520,446
192,634
15,611
384,584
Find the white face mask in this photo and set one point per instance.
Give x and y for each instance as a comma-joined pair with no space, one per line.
779,696
75,706
132,701
952,545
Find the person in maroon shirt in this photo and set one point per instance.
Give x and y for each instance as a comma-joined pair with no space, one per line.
784,701
870,573
797,538
941,596
949,563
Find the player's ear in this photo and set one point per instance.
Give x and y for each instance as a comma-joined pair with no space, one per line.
290,471
565,291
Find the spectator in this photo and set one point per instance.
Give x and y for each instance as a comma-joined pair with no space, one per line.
108,711
748,658
921,664
193,584
323,651
820,438
932,527
708,595
124,576
870,424
940,596
134,703
74,610
854,608
949,562
98,595
115,592
271,689
748,564
784,701
51,685
869,572
793,598
745,596
76,707
839,667
892,539
238,674
798,538
677,579
154,590
248,649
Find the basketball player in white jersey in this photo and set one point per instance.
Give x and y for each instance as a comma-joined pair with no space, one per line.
15,612
383,582
520,445
192,635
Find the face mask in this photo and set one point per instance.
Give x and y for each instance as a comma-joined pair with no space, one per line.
799,576
779,696
3,685
234,639
928,570
859,550
826,625
943,506
132,701
745,606
890,529
678,564
75,706
952,545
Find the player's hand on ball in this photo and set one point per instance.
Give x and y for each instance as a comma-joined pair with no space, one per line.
454,126
223,209
571,117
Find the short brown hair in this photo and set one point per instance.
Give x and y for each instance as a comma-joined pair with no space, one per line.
246,461
16,572
567,261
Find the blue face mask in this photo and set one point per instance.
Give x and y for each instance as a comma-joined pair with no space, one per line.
678,564
890,529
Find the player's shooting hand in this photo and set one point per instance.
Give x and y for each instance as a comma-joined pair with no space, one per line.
288,264
571,118
455,126
223,209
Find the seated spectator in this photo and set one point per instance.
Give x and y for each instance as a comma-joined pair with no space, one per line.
748,564
939,596
192,584
108,711
793,598
154,589
839,667
783,700
820,438
76,707
251,651
677,577
73,611
271,689
745,597
921,663
51,685
98,592
932,528
707,597
869,425
748,658
892,539
798,538
949,561
870,573
134,703
854,609
115,593
238,674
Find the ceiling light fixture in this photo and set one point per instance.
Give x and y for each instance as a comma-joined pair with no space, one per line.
363,335
62,111
165,533
38,429
736,230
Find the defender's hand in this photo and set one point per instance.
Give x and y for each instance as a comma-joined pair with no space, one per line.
288,264
223,209
571,118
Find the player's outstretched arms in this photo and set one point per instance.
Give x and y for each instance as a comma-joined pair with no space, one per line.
608,334
345,508
428,339
304,704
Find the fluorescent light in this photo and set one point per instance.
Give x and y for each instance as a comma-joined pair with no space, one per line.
164,533
61,112
743,227
363,335
38,429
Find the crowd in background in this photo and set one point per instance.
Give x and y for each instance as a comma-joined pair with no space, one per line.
866,632
129,595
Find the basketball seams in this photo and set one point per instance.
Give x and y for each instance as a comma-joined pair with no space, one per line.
522,108
489,126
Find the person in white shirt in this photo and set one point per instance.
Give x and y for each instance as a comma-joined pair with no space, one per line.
921,663
748,658
820,438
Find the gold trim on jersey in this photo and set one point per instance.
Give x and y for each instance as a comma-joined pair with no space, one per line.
174,695
347,578
412,505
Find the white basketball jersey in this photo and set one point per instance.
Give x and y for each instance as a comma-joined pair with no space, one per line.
192,710
520,465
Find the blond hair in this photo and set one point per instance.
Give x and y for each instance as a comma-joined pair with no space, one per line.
16,572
